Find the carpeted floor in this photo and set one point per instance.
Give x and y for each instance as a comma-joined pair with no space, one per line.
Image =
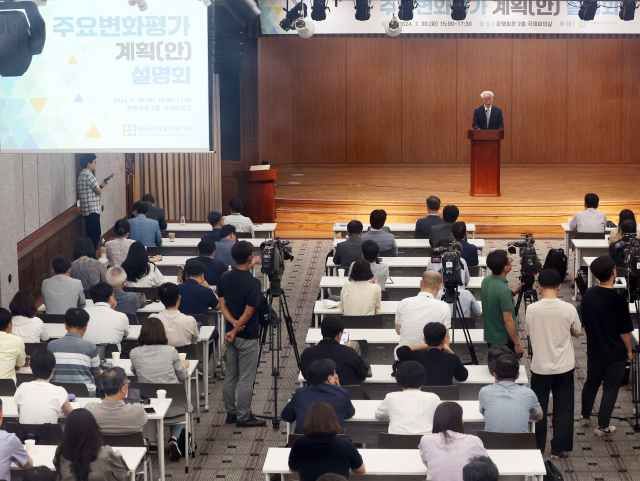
227,452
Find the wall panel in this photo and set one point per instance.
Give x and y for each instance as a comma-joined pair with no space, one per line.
630,120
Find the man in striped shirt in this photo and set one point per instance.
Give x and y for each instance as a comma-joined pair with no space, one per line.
77,360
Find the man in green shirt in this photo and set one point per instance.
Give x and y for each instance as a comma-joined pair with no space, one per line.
498,311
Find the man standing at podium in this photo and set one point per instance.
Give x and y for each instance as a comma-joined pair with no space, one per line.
487,116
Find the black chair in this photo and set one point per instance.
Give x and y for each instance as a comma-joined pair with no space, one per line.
201,318
355,392
31,347
20,378
87,294
43,434
190,350
362,322
292,438
133,319
446,393
469,321
78,389
244,235
135,440
398,441
109,350
7,387
588,235
388,253
52,318
150,293
493,440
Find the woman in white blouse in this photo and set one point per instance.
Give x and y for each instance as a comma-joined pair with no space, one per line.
118,248
24,322
140,271
360,296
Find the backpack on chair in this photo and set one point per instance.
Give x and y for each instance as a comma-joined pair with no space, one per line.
557,260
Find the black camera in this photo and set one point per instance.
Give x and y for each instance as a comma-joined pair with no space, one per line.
363,10
528,259
449,257
299,10
627,254
274,253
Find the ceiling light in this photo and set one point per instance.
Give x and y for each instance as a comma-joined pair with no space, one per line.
292,15
627,11
588,10
319,10
459,10
405,12
363,10
393,27
305,28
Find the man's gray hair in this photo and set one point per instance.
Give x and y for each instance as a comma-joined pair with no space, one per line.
431,280
112,380
486,92
116,276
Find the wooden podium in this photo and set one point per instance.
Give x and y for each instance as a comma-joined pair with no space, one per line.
485,162
261,195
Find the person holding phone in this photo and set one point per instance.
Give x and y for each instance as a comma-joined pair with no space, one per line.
89,192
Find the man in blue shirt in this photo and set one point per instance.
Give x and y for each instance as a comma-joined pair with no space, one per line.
223,248
385,240
11,449
196,296
423,226
324,388
143,229
215,219
215,268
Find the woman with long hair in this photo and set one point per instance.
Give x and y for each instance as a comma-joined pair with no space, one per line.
85,266
361,296
82,455
448,449
140,271
617,234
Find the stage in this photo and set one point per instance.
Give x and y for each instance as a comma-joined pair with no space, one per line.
535,198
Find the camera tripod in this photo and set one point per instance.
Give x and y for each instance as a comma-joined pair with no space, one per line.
452,293
529,295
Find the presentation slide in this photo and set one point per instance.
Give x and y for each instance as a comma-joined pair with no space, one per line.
112,78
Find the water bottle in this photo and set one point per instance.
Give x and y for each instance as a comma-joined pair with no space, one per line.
182,219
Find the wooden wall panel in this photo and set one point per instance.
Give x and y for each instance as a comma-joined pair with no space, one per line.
630,120
428,121
594,100
318,68
374,107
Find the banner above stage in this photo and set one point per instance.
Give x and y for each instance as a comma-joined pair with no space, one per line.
488,17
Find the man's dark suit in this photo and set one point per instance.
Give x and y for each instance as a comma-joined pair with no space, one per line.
348,251
423,226
350,367
439,232
469,253
157,213
496,121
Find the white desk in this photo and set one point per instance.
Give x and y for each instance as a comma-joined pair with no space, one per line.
153,307
422,262
187,242
267,228
389,336
403,227
420,243
176,261
581,245
394,282
568,235
407,462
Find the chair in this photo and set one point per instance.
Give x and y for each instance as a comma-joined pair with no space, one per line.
7,387
362,322
133,319
388,253
43,434
78,389
150,293
244,235
191,350
292,438
106,350
204,320
87,293
588,235
355,392
446,393
399,441
493,440
52,318
135,440
20,378
469,321
31,347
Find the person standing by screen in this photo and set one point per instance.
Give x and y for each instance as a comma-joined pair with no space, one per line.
487,116
89,192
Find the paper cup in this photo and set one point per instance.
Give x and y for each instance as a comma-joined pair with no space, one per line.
115,358
340,272
30,446
172,236
183,356
162,394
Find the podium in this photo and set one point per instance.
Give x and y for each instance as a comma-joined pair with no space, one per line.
485,162
261,195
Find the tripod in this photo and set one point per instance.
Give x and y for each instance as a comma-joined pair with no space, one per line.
452,294
530,296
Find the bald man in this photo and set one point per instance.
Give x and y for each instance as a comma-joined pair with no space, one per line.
415,312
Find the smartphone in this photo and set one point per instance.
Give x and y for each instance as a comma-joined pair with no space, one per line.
345,338
149,410
109,178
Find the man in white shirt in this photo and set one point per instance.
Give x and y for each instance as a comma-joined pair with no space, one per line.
106,326
240,222
181,329
470,307
550,324
370,253
589,219
414,313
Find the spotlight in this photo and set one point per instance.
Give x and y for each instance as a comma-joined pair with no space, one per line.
459,10
142,4
20,40
207,3
393,27
363,10
292,15
319,10
627,11
305,28
588,10
405,12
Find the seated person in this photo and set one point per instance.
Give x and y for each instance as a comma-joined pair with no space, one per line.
12,353
480,468
181,330
350,367
349,251
196,296
215,219
39,401
616,250
409,411
616,234
106,325
118,248
589,219
155,212
506,406
446,452
24,323
423,226
141,272
114,417
469,251
11,450
224,246
319,450
126,302
206,256
380,270
439,362
62,292
414,313
86,267
323,387
360,296
143,229
385,240
240,222
443,231
470,307
77,360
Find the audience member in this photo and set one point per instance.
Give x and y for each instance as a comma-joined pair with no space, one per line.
157,362
155,213
206,256
506,406
181,330
113,415
39,401
380,270
616,234
423,226
385,240
241,223
409,411
350,367
349,251
141,272
224,246
437,359
446,452
196,296
617,249
143,229
86,267
550,325
324,387
11,451
106,325
469,251
607,323
24,322
215,219
470,307
240,295
360,296
82,455
62,292
589,219
319,450
126,302
89,192
39,473
77,360
498,310
118,248
442,231
480,468
12,354
414,313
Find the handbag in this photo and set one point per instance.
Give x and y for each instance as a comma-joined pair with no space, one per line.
553,473
495,351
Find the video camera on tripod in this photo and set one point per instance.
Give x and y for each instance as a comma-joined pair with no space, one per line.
627,251
274,253
528,259
449,257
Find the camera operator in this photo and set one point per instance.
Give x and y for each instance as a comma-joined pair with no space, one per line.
616,250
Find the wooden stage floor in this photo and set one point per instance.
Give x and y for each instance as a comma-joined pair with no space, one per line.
535,198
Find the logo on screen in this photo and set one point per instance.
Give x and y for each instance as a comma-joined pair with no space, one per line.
129,130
